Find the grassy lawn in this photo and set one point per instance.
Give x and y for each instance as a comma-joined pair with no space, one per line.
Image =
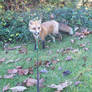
78,66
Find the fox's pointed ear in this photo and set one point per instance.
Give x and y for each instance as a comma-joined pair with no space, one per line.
31,21
40,21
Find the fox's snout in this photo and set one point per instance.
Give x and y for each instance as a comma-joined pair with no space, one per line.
36,33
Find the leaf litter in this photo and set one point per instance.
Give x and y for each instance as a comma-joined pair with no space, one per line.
60,86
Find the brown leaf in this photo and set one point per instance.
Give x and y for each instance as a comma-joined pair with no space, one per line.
75,51
72,41
53,67
23,49
2,60
13,61
18,89
61,86
41,81
58,91
9,76
82,45
26,71
18,67
86,49
68,58
77,34
29,59
55,61
47,63
12,71
31,82
14,48
17,47
30,70
39,63
6,88
20,72
85,31
23,71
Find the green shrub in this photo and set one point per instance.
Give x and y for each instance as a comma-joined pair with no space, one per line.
14,25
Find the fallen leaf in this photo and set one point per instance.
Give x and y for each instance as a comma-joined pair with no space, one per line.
41,81
20,84
18,59
75,51
82,45
39,63
67,72
86,49
17,47
23,49
2,60
77,83
23,71
10,61
12,71
67,50
59,68
77,33
13,61
29,59
30,70
52,67
26,71
58,91
14,48
85,31
6,88
10,76
68,58
72,41
54,61
31,82
18,67
44,71
47,63
61,86
18,89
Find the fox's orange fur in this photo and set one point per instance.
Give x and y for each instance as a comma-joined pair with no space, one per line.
50,28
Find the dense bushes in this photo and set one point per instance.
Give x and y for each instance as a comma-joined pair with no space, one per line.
14,25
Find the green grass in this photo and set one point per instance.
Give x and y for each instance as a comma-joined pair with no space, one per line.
53,76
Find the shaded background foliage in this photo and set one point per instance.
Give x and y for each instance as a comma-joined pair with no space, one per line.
15,15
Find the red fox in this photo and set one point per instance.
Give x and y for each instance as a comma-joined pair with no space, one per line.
41,30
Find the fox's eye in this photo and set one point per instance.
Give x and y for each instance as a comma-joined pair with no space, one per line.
38,27
34,28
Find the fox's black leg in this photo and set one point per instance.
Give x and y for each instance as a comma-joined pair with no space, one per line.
43,44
